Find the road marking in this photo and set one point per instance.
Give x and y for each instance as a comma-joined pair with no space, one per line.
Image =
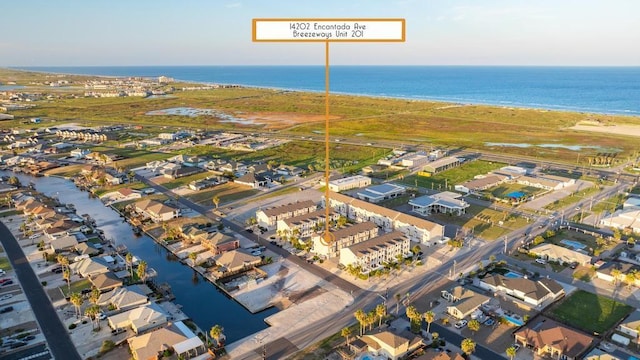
33,356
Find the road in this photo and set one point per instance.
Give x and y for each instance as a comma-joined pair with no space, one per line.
38,352
58,339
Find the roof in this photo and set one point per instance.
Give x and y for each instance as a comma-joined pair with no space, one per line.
123,297
352,230
560,253
140,316
384,189
531,289
431,354
393,215
545,332
363,248
483,182
89,266
311,216
154,207
390,339
191,342
632,321
447,199
250,178
150,344
85,249
283,209
218,239
236,258
125,191
105,281
469,301
64,242
443,162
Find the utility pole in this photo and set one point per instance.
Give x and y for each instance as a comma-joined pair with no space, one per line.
505,245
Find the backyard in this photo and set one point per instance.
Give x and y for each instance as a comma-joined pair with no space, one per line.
590,312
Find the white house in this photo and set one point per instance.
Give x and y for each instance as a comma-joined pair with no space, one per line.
348,183
464,301
268,218
156,211
445,202
139,319
534,293
381,192
343,238
561,254
372,254
79,153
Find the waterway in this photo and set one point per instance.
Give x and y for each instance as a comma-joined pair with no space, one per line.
200,299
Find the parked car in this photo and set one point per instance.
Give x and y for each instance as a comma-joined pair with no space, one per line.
541,261
6,283
6,297
117,331
34,236
460,324
516,346
18,344
57,270
573,265
607,346
7,309
102,316
28,338
2,281
490,322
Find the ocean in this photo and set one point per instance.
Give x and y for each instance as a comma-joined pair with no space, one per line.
607,90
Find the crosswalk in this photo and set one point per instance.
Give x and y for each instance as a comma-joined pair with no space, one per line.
41,355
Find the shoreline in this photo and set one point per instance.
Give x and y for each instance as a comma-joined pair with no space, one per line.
436,100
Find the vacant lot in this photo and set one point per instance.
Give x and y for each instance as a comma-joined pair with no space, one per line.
454,176
590,312
227,193
483,222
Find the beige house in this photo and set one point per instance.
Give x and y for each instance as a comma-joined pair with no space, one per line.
550,338
236,260
156,211
105,282
139,319
176,336
343,238
348,183
268,218
414,228
372,254
560,254
464,301
390,345
534,293
124,298
306,225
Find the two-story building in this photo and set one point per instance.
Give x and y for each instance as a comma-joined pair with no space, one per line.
343,238
268,218
372,254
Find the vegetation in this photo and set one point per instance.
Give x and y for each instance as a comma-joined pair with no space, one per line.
590,312
447,179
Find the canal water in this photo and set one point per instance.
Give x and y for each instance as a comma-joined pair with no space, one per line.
200,299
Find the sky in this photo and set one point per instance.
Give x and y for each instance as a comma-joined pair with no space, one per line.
218,32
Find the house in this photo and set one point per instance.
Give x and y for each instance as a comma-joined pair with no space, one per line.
289,170
416,229
219,243
372,254
343,238
381,192
608,271
105,282
560,254
414,160
139,319
533,293
252,179
86,248
237,260
547,182
89,266
627,218
305,225
464,301
480,183
390,345
176,337
124,298
441,164
123,194
268,218
550,338
63,243
156,211
631,325
79,153
348,183
445,202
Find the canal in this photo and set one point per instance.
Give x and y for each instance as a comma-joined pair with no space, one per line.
200,300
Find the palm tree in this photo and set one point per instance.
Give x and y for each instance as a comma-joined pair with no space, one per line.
66,274
193,256
434,336
468,346
62,260
93,311
142,271
511,352
629,278
216,334
429,316
414,316
381,311
216,201
398,297
616,273
129,259
76,300
474,325
346,332
361,317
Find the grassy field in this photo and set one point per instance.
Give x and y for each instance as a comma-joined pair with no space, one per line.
454,176
227,193
484,222
402,120
183,181
501,191
4,263
590,312
66,171
76,286
572,198
609,204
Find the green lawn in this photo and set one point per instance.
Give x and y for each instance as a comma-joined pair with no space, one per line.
609,204
4,263
453,176
76,286
572,198
183,181
586,239
226,192
485,222
501,191
10,213
590,312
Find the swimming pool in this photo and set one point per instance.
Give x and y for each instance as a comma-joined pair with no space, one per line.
512,275
574,244
514,320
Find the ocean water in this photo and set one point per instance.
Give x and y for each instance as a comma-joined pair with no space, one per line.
609,90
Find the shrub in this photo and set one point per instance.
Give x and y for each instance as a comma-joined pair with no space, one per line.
107,346
44,283
72,326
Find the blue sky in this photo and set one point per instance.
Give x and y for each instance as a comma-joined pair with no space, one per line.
218,32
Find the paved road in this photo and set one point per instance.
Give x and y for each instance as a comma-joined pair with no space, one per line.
38,352
54,331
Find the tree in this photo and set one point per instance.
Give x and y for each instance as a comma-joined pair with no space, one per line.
398,297
66,275
216,334
429,316
342,221
538,240
474,325
381,311
129,260
216,201
511,352
361,318
434,336
95,296
414,316
468,346
371,319
142,271
92,312
193,256
616,273
346,332
14,181
416,250
62,260
630,278
76,300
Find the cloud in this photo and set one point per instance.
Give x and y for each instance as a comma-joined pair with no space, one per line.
233,5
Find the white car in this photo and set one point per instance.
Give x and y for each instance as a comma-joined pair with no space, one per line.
6,297
102,316
34,236
541,261
460,324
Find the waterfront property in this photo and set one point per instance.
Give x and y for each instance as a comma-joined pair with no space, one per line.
445,202
176,337
372,254
348,183
550,338
464,301
343,238
156,211
532,293
268,218
236,260
414,228
381,192
306,225
390,345
139,319
219,243
125,298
